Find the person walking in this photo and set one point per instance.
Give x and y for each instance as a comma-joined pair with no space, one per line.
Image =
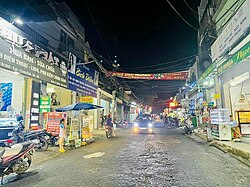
62,134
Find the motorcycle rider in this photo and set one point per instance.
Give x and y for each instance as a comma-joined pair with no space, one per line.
110,123
62,134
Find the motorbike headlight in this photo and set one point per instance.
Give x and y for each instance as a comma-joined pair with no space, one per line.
150,125
136,124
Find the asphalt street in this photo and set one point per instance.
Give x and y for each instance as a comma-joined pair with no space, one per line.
166,158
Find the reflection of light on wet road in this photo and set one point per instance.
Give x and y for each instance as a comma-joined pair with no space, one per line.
94,155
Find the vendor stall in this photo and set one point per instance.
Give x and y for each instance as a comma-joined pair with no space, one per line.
77,127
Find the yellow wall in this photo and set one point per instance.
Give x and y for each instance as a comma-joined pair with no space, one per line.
63,95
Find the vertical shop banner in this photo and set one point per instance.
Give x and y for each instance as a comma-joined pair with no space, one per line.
35,105
45,104
72,63
52,121
5,95
44,98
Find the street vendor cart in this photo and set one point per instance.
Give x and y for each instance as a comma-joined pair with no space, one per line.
76,113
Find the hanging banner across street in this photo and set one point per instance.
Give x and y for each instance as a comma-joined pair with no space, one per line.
183,75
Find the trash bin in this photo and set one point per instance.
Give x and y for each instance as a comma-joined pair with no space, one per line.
194,121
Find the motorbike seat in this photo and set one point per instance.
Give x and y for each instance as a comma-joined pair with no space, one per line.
26,144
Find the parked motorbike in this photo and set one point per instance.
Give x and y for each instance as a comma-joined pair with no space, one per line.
39,137
16,158
187,126
52,139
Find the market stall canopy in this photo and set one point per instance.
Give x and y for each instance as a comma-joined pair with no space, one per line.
78,106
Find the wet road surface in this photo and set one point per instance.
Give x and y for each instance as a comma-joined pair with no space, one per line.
167,158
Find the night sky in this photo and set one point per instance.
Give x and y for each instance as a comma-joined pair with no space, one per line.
147,37
142,33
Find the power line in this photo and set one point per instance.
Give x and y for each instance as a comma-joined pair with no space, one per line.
169,62
97,30
182,68
192,10
181,16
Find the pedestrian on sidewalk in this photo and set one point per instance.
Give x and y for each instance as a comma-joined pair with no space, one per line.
62,134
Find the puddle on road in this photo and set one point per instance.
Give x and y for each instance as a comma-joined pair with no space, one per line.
94,155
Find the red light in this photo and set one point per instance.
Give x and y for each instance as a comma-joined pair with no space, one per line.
9,141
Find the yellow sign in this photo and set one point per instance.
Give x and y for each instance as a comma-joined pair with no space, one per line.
244,116
87,99
217,96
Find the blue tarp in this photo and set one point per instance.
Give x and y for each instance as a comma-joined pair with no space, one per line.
78,106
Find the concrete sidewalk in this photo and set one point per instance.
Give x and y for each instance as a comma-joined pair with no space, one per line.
52,152
240,150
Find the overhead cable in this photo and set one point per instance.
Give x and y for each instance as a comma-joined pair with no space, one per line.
181,16
169,62
192,10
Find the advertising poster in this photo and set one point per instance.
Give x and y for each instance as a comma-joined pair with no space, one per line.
5,95
35,105
52,121
45,104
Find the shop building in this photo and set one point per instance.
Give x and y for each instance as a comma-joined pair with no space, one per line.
28,65
224,82
50,79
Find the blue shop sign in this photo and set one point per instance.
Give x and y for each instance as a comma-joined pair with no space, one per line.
85,81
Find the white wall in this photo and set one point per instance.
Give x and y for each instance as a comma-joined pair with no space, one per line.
17,92
236,91
106,106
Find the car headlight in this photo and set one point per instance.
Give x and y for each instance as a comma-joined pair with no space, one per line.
136,124
150,125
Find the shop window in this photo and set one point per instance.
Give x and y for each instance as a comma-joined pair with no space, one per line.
63,38
70,43
66,42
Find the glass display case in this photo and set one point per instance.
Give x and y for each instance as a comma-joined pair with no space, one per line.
220,124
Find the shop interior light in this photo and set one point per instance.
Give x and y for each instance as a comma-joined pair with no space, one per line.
239,79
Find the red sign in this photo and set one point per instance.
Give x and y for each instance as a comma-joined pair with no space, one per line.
183,75
52,121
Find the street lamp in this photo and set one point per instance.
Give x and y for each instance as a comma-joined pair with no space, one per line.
18,21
